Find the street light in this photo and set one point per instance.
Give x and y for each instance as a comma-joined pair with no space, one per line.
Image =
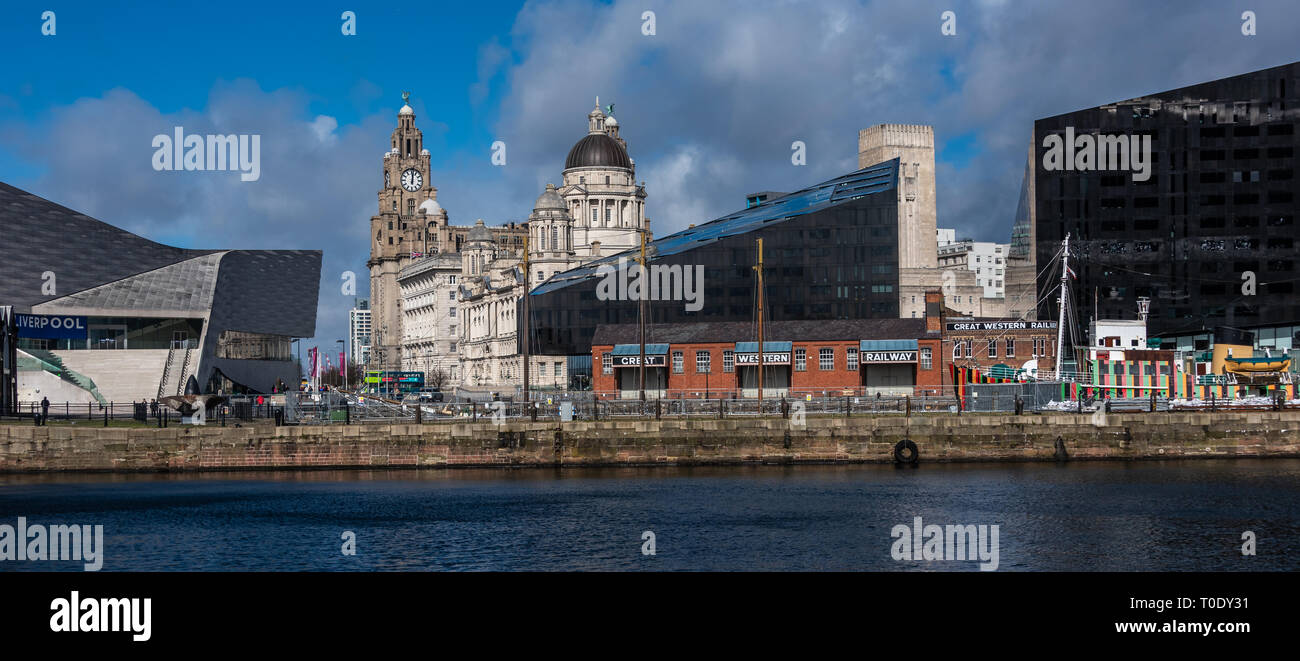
343,366
298,341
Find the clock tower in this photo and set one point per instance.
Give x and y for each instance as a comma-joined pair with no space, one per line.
408,226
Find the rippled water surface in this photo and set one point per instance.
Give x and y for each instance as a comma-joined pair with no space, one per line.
1175,515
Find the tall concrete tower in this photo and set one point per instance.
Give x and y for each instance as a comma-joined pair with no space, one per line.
913,146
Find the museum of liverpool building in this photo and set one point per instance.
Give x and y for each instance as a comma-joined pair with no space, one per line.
91,312
830,253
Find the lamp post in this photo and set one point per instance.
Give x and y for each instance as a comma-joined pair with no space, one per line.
298,341
343,364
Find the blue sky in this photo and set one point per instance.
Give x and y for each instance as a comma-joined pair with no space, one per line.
709,104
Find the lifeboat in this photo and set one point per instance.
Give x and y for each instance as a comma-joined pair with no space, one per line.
1257,365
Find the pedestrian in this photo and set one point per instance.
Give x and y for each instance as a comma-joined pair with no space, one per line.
45,410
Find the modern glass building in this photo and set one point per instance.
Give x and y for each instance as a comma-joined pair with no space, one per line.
830,252
106,315
1209,237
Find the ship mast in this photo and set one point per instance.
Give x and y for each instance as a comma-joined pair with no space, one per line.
1065,289
759,268
641,314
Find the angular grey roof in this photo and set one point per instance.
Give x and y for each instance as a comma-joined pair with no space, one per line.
82,252
871,180
174,290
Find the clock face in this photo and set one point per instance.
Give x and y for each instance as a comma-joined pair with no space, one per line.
412,180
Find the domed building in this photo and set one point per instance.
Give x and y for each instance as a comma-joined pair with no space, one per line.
468,285
550,231
600,190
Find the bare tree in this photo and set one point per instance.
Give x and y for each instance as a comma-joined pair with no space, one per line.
436,378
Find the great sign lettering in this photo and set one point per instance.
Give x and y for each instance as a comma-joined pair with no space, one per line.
889,356
51,327
769,358
635,361
1001,325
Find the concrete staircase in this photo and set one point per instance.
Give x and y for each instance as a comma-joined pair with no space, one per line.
47,361
123,375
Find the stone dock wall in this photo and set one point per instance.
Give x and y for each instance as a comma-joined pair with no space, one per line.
863,439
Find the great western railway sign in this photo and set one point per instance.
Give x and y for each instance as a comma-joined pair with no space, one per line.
769,358
1000,325
889,356
635,361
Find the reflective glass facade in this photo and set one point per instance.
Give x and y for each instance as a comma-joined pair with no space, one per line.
830,252
1219,209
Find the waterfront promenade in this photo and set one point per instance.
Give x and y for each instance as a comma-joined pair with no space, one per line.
630,442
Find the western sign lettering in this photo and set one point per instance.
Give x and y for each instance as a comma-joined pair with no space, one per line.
769,358
51,327
1001,325
889,356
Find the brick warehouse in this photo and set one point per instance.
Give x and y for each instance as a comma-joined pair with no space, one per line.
861,357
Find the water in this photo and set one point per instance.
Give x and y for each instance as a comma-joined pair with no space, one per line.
1171,515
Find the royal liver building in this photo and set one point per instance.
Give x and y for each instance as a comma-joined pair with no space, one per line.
457,302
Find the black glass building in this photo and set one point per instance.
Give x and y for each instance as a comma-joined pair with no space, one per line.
830,252
1217,212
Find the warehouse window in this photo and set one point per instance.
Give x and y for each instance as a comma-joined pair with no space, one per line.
956,350
800,360
728,361
678,363
852,360
926,359
1011,347
607,364
993,348
826,360
703,362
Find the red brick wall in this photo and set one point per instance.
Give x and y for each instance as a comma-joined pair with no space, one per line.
692,383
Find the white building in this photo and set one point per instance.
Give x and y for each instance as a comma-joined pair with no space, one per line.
431,319
1117,335
359,333
599,210
988,261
